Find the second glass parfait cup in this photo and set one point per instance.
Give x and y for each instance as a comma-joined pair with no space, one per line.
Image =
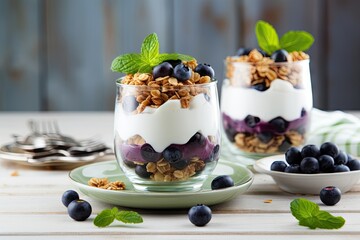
266,105
167,136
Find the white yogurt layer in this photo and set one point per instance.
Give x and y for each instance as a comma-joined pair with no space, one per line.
169,124
281,99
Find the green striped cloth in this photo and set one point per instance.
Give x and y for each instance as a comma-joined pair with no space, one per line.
338,127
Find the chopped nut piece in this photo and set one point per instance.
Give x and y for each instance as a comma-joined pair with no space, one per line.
98,182
268,201
14,173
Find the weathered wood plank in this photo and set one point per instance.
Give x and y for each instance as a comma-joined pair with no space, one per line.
19,55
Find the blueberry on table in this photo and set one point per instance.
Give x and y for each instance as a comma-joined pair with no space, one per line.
200,215
129,103
251,121
309,165
205,70
278,166
280,56
330,195
310,150
294,168
353,164
341,168
182,72
79,210
141,171
223,181
149,154
293,156
279,124
162,70
341,158
326,164
243,51
330,149
69,196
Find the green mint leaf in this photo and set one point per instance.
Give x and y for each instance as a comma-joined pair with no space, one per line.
162,57
105,218
129,217
302,208
296,41
310,215
150,48
127,63
267,37
328,221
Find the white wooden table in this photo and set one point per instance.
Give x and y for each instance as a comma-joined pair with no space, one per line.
31,208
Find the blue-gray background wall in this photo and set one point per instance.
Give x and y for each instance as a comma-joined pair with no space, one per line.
55,54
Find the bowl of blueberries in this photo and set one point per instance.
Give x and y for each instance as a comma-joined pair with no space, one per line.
310,169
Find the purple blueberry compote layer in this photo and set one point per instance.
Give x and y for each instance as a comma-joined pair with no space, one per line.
252,134
177,162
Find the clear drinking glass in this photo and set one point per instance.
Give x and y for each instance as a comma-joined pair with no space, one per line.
265,106
173,145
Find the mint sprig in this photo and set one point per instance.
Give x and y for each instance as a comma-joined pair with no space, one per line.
310,215
107,216
268,39
148,57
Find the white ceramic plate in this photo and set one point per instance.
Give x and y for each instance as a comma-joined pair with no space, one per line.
306,183
130,197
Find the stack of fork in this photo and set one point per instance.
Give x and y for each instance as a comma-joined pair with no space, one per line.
46,140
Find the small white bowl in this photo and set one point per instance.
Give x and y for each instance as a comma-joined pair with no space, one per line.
306,183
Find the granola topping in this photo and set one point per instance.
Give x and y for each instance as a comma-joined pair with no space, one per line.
104,183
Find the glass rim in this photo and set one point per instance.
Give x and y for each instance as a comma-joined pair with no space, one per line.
226,61
200,85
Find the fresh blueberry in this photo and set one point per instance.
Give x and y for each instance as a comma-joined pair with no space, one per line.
251,121
341,158
197,139
330,195
128,163
309,165
294,168
341,168
326,163
243,51
162,70
263,52
141,171
199,215
215,153
310,150
279,124
223,181
79,210
303,112
174,62
149,154
69,196
230,133
174,156
353,164
278,166
205,70
129,103
260,87
330,149
265,137
182,72
280,56
293,156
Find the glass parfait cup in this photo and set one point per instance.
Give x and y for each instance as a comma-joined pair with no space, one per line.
266,105
167,138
